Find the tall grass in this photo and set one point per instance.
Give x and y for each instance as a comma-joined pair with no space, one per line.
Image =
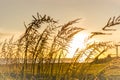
38,53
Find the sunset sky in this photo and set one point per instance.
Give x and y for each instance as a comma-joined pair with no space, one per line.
94,13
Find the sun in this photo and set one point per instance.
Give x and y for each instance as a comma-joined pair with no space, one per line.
77,42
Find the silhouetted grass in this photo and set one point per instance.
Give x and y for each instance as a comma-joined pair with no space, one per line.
38,53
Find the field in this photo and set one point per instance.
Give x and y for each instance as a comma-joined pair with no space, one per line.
12,72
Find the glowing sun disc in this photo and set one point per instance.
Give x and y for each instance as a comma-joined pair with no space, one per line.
77,42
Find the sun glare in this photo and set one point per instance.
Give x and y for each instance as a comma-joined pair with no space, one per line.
78,42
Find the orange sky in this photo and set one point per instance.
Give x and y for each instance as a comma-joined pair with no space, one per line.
94,13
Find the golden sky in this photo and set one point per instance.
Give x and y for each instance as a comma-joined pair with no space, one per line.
94,13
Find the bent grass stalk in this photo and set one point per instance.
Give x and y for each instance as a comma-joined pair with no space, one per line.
40,53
